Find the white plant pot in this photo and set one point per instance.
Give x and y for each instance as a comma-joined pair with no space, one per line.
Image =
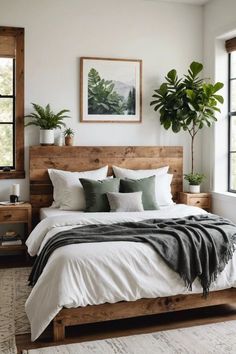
46,137
194,189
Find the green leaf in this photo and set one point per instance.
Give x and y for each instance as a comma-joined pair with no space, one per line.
196,68
176,127
190,94
156,96
167,124
218,86
163,89
189,121
219,98
172,75
153,102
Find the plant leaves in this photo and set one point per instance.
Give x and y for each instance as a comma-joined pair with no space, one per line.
218,86
196,68
219,98
172,75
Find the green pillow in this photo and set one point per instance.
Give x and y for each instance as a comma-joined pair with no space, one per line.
95,193
146,186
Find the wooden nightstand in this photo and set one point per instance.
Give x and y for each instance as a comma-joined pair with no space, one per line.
201,200
16,214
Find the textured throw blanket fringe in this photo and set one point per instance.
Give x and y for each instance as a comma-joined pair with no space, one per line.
194,246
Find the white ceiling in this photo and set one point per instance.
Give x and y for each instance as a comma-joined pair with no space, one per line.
194,2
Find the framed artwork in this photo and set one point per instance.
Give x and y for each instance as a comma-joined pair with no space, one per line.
110,90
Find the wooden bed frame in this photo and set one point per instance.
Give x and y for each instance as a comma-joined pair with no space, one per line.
84,158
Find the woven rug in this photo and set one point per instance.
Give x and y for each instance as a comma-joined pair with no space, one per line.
219,338
13,294
216,338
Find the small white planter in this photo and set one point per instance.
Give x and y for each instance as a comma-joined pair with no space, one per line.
194,189
46,137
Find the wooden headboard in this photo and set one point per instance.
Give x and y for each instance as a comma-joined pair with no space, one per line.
83,158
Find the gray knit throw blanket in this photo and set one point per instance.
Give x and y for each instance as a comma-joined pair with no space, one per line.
194,246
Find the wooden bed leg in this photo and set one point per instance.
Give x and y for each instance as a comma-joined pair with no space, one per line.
58,330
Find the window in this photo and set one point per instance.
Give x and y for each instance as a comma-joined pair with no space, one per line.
231,49
12,102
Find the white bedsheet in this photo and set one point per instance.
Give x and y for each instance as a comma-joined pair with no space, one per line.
48,212
82,274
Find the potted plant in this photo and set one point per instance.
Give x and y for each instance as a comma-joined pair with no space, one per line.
47,121
69,134
189,103
195,180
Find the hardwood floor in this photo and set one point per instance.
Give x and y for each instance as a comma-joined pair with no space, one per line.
127,327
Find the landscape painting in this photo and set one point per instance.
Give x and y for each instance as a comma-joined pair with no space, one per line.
110,90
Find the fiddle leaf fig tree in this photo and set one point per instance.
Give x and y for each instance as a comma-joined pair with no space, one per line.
188,103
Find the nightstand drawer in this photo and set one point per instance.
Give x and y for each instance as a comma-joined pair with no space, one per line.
199,202
14,215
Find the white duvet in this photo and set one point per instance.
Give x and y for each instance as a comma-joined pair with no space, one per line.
89,274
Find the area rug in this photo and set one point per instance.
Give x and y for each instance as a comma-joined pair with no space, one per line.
13,294
216,338
219,338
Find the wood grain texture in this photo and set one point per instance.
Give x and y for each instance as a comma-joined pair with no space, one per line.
230,45
88,158
201,200
19,213
19,109
84,158
16,214
142,307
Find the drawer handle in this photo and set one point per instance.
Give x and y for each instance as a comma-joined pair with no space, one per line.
198,201
7,216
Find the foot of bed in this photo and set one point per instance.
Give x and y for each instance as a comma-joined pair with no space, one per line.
58,330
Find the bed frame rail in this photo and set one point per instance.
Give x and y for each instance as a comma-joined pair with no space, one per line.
142,307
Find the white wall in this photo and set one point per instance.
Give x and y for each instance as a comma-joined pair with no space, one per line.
58,32
219,25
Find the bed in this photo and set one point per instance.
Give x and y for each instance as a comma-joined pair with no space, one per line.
99,303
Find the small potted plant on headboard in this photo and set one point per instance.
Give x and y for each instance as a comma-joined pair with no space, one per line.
69,134
47,121
189,103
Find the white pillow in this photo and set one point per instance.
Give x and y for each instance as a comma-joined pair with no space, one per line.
68,193
136,174
163,190
163,181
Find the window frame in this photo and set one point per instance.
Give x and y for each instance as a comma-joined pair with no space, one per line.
230,115
18,127
13,97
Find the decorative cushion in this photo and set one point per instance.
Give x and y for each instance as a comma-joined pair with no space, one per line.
163,181
125,201
144,185
68,193
96,193
121,172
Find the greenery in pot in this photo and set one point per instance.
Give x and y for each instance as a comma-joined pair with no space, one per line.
194,179
45,118
188,103
68,134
